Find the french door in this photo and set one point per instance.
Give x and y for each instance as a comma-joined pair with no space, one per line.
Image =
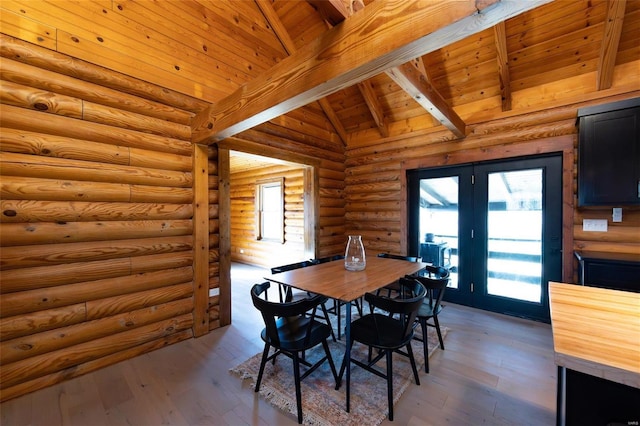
497,227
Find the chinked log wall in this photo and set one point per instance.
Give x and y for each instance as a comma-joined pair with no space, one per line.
244,245
97,218
375,177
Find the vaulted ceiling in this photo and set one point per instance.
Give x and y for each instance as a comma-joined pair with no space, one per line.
502,59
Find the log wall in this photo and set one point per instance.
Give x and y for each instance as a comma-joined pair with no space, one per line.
375,182
96,219
103,235
244,245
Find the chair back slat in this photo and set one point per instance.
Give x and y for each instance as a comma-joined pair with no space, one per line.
290,266
327,259
435,279
406,307
400,257
271,311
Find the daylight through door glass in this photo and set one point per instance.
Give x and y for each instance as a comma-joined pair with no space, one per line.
514,233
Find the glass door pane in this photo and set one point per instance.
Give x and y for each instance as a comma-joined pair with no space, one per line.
438,224
514,235
499,225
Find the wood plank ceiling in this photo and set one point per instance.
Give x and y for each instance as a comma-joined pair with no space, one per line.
215,49
551,43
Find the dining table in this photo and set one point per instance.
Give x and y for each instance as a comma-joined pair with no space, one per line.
333,280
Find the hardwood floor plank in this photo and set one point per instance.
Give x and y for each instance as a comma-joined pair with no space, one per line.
496,370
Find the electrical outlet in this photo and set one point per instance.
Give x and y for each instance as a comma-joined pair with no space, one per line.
617,214
594,225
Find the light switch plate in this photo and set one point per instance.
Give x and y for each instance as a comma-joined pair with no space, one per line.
617,214
594,225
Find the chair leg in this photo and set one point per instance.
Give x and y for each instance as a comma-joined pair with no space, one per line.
425,344
326,318
338,308
359,305
265,355
389,357
437,324
413,363
296,376
343,366
325,345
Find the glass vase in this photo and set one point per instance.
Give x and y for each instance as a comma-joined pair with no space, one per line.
354,257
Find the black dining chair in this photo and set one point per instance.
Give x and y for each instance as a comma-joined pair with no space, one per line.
291,332
285,291
388,328
288,295
337,304
394,287
435,279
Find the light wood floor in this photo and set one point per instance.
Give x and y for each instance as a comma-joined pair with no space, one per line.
496,370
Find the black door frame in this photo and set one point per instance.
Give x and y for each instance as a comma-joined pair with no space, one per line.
472,266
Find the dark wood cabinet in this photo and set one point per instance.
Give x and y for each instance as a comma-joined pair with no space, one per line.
617,271
609,154
592,400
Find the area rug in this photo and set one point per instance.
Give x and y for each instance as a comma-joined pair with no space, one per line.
322,405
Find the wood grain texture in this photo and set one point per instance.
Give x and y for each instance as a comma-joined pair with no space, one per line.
17,211
331,279
597,331
54,297
324,68
166,103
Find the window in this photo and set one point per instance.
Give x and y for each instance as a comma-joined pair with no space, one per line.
270,210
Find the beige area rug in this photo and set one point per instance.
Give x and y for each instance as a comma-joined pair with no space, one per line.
321,403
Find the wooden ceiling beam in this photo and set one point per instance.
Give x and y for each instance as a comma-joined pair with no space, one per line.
335,11
283,35
276,24
422,91
374,106
412,78
333,119
383,35
502,56
610,41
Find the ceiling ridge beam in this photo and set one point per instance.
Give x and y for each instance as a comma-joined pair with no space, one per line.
383,35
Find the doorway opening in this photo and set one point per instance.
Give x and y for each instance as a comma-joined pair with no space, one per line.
271,210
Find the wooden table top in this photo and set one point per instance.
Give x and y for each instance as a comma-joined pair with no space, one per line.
331,279
596,331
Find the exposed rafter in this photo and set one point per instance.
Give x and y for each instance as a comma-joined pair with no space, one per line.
422,91
502,57
288,44
610,41
334,12
375,108
416,83
343,56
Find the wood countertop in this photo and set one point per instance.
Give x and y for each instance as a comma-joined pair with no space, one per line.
596,331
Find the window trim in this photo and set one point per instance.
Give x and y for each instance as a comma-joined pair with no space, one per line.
260,185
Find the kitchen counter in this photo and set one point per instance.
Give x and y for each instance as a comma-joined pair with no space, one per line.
596,338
